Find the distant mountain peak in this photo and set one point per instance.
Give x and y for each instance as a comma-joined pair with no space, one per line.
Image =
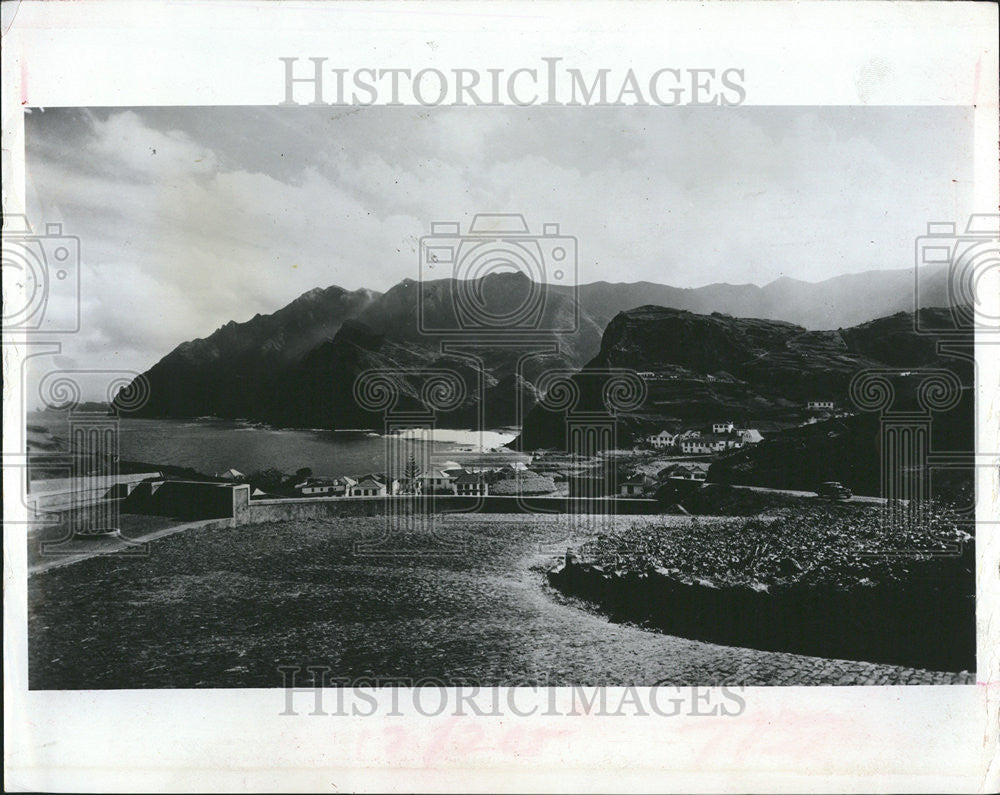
244,369
786,279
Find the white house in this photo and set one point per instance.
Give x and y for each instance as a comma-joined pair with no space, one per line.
662,439
722,427
688,435
319,487
689,472
750,435
367,487
436,480
634,486
820,405
710,443
471,485
698,446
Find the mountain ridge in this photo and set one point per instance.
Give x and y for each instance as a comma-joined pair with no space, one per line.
258,369
712,367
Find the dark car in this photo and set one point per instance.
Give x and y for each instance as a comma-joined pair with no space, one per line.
834,491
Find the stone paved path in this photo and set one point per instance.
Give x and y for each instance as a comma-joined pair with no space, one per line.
226,607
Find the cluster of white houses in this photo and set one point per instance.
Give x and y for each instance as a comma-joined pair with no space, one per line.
373,485
474,481
724,436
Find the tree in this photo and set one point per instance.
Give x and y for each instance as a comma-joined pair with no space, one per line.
412,469
267,479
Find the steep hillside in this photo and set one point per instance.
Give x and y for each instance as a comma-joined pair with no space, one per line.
261,369
712,366
235,371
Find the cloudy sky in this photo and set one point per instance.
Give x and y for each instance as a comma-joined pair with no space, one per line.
191,217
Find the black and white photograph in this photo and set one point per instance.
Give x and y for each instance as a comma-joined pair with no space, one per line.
628,399
678,446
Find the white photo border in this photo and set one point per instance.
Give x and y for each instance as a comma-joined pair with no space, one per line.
789,739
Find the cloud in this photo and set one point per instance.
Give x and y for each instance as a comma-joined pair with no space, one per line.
191,217
146,155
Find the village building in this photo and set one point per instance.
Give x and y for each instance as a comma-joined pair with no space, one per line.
437,481
722,427
750,435
320,487
710,443
662,439
368,487
699,446
313,487
635,485
820,405
469,484
693,471
392,485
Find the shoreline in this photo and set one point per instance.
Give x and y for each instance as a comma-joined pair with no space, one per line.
505,430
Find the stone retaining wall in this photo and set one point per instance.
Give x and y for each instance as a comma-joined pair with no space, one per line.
247,511
198,500
924,623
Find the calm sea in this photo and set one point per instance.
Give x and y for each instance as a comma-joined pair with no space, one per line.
211,445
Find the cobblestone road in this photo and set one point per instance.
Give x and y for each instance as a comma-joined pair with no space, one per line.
226,607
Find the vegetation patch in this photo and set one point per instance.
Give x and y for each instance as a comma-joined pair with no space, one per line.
827,582
842,546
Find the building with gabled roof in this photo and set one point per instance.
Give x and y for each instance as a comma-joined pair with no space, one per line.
469,484
634,485
368,487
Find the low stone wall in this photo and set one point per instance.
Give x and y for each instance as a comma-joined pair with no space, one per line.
247,511
923,624
199,500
